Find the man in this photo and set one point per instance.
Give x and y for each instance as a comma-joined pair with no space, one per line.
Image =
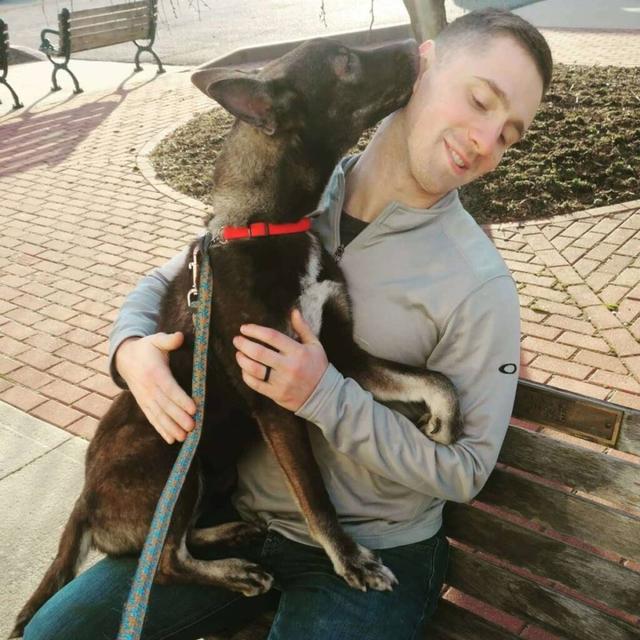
428,288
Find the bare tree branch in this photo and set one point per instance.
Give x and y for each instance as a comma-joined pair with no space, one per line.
428,18
323,14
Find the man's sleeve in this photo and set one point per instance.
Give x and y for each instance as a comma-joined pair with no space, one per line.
479,350
139,313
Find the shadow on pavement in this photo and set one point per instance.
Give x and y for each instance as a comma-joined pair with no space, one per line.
50,136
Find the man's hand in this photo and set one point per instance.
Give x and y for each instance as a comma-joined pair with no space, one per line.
143,363
295,367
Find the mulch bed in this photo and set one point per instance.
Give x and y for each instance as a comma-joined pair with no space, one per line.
582,151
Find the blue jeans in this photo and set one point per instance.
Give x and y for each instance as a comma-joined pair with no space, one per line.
311,602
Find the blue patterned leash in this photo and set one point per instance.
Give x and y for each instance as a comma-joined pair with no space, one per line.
136,606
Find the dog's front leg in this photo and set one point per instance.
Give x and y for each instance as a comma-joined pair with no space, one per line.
427,397
288,439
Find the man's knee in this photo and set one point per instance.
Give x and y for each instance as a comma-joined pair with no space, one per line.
86,622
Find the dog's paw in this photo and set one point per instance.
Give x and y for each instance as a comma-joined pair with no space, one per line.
439,430
363,570
246,577
442,421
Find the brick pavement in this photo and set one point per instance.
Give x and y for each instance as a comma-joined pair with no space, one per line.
80,224
579,283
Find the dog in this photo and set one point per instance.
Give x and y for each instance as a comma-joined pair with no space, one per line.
294,120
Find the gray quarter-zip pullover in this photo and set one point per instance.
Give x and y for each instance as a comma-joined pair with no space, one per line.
428,289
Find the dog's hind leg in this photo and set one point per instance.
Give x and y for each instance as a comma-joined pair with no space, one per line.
289,441
177,565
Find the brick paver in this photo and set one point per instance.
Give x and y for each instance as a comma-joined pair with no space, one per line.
579,300
81,223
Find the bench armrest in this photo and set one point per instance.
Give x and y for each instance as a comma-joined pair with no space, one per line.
45,44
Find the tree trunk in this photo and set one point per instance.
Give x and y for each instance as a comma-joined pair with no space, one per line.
428,18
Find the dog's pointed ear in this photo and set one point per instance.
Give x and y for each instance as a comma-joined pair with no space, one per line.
241,94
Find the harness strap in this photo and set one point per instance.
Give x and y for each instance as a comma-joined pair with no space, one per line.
136,606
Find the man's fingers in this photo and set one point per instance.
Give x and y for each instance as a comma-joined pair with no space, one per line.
169,425
259,353
300,326
175,393
253,368
175,413
279,341
152,412
255,383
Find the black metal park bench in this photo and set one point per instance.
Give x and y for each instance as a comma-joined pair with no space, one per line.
101,27
553,539
4,62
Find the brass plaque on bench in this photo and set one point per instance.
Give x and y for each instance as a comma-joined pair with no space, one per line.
573,414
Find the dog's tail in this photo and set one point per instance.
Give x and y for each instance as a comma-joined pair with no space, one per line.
72,550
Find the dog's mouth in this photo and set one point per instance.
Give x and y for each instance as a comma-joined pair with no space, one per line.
370,115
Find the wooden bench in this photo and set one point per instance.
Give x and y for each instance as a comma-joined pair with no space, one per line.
550,538
101,27
4,62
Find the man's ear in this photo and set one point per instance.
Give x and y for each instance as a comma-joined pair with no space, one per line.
427,52
241,94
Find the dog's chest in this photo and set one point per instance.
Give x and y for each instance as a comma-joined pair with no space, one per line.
261,281
315,292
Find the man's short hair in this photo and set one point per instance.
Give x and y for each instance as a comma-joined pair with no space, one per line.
479,28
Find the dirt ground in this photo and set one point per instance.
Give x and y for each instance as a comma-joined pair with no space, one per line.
582,151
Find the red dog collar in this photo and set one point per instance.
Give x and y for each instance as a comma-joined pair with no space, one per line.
263,229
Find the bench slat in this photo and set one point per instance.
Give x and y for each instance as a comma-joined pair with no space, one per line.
526,599
451,622
108,9
575,465
108,27
571,515
77,26
97,40
618,587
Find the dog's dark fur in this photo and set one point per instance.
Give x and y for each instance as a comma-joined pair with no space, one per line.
296,117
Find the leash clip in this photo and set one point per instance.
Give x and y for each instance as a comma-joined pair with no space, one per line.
219,238
192,295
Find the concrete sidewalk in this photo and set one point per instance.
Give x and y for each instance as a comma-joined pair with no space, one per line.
32,82
82,219
41,471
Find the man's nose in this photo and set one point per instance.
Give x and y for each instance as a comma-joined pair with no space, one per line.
485,137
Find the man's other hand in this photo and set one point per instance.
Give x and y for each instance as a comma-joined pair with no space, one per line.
292,369
143,364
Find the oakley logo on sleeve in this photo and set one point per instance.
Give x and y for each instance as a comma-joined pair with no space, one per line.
508,368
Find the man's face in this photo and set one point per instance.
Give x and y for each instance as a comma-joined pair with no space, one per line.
467,111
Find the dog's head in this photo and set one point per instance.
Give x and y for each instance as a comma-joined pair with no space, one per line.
322,92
